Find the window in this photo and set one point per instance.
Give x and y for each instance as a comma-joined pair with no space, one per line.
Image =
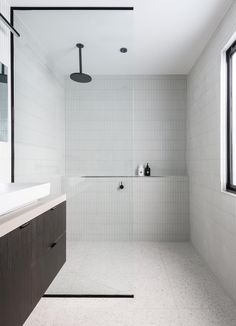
231,118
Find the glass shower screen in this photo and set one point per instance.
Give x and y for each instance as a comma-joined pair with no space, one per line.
99,158
82,133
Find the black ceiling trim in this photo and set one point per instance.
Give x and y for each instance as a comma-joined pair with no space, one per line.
72,8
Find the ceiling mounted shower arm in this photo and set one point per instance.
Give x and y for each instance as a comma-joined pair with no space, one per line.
80,46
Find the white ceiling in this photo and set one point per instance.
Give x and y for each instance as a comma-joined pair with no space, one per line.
103,33
163,36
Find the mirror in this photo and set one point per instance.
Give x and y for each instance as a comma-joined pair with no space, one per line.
3,103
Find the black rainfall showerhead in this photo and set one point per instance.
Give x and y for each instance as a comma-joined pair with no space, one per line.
80,77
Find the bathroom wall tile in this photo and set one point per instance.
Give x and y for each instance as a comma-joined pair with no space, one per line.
147,113
39,117
112,126
212,212
147,209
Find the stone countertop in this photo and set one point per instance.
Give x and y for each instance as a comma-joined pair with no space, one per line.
14,219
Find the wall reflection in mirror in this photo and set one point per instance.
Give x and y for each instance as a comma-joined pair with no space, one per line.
3,103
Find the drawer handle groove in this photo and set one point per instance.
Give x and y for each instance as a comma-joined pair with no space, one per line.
53,244
24,225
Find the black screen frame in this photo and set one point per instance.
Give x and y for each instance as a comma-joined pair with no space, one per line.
12,11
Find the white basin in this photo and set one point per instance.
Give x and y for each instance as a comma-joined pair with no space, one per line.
16,195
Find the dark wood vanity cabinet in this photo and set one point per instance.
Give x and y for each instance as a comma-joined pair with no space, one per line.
48,250
15,276
30,258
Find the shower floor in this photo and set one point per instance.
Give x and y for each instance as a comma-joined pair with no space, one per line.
96,268
171,284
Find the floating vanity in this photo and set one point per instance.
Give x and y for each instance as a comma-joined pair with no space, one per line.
32,251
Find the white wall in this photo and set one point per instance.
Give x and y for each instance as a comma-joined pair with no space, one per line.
98,210
149,209
112,125
161,209
160,123
39,115
115,123
99,127
5,147
212,213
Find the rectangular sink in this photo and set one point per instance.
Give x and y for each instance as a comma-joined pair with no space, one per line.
16,195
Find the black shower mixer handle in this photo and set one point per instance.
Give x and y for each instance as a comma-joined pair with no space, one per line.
121,186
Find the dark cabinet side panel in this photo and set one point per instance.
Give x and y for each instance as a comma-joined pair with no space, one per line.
5,299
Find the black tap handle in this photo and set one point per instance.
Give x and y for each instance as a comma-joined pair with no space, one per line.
121,186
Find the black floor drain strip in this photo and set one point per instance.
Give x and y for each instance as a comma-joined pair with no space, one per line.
88,296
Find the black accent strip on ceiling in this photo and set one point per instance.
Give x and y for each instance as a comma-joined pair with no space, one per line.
72,8
88,296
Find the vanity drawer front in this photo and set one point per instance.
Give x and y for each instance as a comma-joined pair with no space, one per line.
15,276
55,220
47,228
45,270
20,256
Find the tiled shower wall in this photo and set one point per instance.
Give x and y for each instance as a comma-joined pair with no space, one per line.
150,209
116,123
212,212
112,125
39,115
159,113
161,209
99,133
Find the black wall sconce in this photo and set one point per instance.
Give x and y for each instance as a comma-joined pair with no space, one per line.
8,25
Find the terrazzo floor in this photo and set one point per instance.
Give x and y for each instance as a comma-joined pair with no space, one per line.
171,284
96,268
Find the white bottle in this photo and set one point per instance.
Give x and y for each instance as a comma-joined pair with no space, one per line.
140,170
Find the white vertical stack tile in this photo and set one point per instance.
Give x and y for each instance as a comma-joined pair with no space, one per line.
112,125
159,123
161,209
99,127
98,210
149,209
117,122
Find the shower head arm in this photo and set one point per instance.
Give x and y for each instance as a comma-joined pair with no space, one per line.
80,60
80,46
